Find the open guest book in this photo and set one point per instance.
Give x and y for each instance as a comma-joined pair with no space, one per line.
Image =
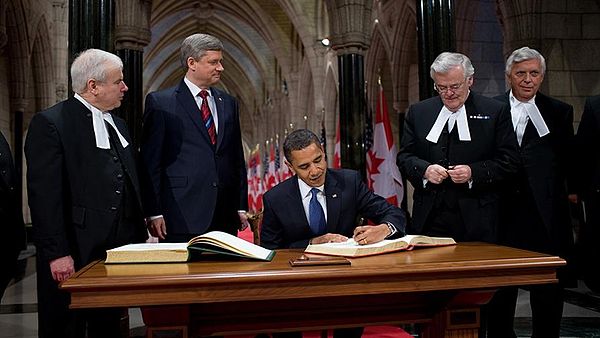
352,249
215,242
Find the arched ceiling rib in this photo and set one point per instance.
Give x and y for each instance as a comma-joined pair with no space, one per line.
260,39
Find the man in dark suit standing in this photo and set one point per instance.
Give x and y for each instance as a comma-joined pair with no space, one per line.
320,205
83,191
13,230
194,177
456,150
588,139
535,205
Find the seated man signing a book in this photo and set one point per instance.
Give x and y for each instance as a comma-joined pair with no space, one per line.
321,205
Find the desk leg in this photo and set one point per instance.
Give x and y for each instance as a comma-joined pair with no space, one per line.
166,321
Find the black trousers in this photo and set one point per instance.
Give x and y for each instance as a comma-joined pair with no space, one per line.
546,311
55,319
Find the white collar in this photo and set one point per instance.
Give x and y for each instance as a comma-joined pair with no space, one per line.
100,132
305,188
460,116
195,90
529,108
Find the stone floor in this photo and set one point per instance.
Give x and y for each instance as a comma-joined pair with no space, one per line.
18,310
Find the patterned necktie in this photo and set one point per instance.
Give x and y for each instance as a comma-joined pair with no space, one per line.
207,117
315,214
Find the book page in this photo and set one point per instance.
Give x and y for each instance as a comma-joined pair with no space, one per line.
427,240
351,243
232,243
151,247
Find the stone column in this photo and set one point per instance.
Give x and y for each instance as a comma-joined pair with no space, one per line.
350,27
3,34
132,34
18,107
60,53
91,24
435,33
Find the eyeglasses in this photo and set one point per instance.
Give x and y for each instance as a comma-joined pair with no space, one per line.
445,89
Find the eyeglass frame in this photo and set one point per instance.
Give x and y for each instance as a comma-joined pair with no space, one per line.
454,87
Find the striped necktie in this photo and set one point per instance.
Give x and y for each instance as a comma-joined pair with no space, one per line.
207,117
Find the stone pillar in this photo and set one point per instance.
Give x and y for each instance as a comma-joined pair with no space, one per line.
91,24
132,34
60,53
350,27
3,34
435,33
18,107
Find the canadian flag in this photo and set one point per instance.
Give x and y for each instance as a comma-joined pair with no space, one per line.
255,188
272,176
337,156
382,173
284,170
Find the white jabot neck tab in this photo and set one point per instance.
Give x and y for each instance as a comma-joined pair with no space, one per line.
520,110
459,118
100,132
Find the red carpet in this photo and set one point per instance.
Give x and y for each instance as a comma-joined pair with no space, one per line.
246,235
370,332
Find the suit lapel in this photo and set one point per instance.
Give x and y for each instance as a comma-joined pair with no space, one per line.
333,196
190,107
81,117
293,198
220,104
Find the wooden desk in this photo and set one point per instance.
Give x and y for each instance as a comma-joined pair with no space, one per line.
441,287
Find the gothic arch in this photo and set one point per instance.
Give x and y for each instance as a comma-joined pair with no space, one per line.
41,67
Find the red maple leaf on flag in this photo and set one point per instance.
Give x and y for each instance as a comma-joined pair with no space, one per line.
373,163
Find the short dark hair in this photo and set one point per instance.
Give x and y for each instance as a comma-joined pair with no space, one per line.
298,140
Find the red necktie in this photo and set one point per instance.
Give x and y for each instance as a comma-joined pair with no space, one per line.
207,117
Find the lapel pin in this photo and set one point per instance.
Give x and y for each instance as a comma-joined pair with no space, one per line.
334,196
220,99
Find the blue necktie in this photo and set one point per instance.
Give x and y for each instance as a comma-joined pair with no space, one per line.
315,214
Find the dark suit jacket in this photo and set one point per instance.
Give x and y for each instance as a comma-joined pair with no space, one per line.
491,154
13,230
73,185
183,172
547,170
588,141
284,220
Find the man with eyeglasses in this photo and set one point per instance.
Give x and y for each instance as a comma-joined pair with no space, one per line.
457,148
534,208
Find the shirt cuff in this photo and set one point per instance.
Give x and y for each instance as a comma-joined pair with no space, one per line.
392,228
